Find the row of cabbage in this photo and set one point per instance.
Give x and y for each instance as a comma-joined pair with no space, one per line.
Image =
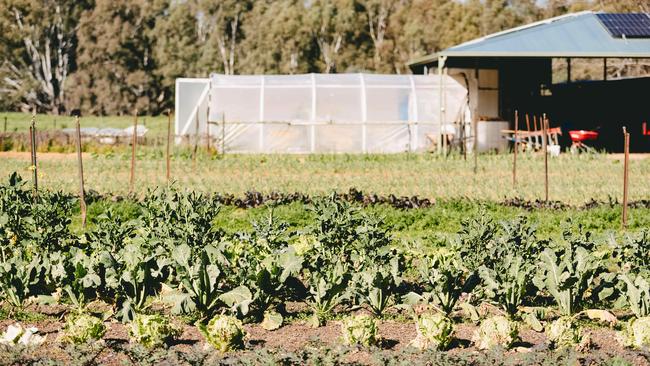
344,260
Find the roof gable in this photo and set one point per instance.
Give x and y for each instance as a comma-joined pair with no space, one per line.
572,35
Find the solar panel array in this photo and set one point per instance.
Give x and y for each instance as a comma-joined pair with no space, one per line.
628,25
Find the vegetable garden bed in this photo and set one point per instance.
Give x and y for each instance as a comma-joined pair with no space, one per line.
169,284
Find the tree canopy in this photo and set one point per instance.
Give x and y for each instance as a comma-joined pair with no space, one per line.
111,56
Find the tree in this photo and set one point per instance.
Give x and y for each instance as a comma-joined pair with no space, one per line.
38,44
220,24
378,14
115,58
179,46
285,44
332,23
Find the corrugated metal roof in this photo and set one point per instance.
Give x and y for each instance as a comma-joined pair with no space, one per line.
572,35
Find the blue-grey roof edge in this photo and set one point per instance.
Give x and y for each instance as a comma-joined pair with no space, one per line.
571,35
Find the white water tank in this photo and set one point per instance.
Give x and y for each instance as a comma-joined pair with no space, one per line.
490,137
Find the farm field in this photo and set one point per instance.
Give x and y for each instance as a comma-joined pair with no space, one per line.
170,276
323,259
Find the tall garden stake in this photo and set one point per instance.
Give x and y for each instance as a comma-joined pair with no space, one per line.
626,163
133,143
544,125
514,161
82,195
169,141
32,147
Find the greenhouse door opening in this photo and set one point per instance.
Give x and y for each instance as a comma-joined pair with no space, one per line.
321,113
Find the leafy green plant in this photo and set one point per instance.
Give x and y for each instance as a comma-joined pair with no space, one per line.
81,328
224,333
19,279
563,332
201,278
566,273
637,292
152,331
446,280
136,274
327,289
496,331
434,330
507,272
360,329
264,263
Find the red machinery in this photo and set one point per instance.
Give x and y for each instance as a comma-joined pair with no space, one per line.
578,137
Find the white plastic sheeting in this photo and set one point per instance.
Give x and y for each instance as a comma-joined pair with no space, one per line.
319,112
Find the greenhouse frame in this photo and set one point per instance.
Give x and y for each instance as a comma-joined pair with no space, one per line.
321,113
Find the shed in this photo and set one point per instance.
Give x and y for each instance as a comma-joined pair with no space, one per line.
513,70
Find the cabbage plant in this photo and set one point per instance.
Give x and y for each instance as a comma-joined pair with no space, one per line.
224,333
433,331
360,329
152,330
636,333
81,328
563,332
497,331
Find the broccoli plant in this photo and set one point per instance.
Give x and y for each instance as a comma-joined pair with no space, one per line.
201,277
507,273
567,273
446,280
637,292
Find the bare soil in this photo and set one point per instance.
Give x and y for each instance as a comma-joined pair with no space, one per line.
297,335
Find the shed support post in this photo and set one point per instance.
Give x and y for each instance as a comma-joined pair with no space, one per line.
568,70
605,69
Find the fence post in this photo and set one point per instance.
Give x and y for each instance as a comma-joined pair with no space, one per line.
32,145
544,123
626,162
5,129
82,195
514,161
169,137
133,143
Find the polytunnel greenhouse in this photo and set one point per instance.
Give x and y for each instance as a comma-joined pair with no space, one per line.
321,113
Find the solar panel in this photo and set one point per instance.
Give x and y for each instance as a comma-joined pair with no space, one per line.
628,25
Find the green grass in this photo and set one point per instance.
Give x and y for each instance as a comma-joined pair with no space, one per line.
572,179
415,225
20,122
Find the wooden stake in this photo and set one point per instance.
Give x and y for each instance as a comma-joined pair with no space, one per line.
514,161
169,139
32,145
544,125
626,162
133,143
82,194
5,130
